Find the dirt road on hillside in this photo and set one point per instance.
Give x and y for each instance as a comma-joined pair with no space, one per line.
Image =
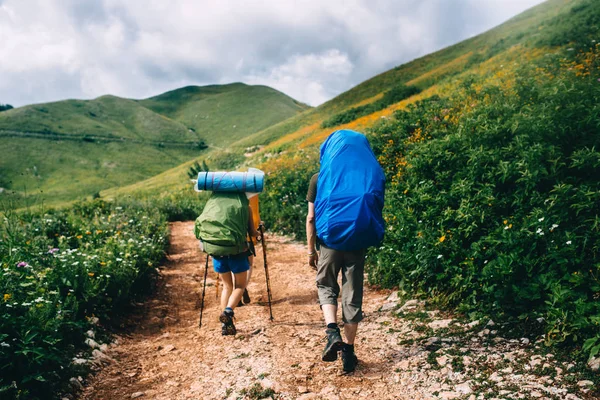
167,357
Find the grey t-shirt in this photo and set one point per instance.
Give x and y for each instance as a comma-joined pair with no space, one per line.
311,195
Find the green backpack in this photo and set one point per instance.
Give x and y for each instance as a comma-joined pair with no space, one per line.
223,225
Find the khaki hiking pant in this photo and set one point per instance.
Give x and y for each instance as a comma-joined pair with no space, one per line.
352,266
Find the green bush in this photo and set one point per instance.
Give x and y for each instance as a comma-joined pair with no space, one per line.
181,205
59,271
493,198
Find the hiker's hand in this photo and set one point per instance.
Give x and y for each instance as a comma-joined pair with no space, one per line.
313,260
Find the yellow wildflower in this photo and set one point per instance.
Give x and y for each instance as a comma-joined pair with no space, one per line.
79,236
7,297
90,274
442,238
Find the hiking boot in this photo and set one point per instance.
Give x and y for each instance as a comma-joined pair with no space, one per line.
334,344
349,359
227,326
246,297
224,329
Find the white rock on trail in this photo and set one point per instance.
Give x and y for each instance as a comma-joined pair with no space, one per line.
473,324
168,348
393,298
92,343
410,304
137,394
463,388
302,389
594,363
571,396
308,396
495,377
585,383
101,357
483,333
440,323
449,395
388,306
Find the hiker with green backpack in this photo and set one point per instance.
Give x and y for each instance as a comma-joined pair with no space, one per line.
223,229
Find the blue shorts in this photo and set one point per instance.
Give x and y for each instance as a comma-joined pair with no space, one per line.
236,263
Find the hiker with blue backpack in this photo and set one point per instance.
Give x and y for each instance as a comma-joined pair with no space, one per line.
345,203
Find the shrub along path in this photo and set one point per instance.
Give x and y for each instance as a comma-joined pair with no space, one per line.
420,355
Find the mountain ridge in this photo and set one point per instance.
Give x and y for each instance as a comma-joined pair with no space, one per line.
72,148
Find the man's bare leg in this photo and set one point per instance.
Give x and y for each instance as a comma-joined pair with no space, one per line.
330,313
350,332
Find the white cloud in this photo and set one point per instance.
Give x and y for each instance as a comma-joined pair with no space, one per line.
311,50
302,76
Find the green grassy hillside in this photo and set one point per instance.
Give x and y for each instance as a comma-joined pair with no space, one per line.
64,150
107,117
223,114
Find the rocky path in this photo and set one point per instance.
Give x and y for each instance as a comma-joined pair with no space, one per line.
423,355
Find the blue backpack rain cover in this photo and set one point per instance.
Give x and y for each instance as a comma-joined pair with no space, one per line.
350,193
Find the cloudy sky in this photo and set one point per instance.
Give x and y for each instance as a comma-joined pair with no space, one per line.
311,50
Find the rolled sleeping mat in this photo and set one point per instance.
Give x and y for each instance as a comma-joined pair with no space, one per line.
225,181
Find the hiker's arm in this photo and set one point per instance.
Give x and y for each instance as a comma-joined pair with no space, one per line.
311,236
251,227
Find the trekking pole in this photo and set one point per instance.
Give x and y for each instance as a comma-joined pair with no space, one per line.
262,236
203,292
217,288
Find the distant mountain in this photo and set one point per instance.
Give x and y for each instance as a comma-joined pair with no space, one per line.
224,113
63,150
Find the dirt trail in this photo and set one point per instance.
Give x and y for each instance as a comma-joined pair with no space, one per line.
168,357
425,355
